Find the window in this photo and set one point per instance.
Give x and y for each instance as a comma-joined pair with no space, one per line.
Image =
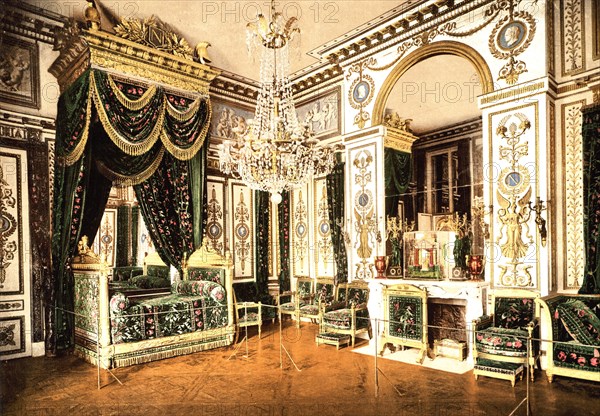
442,180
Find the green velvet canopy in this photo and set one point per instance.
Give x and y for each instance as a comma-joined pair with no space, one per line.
111,132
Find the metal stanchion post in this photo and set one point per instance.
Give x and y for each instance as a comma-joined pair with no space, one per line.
376,368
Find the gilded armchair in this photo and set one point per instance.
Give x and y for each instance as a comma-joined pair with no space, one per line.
348,314
503,339
322,296
290,302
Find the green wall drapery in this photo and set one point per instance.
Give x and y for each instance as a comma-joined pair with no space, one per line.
397,172
284,241
109,132
335,206
591,199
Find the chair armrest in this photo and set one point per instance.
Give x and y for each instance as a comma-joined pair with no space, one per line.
484,321
285,294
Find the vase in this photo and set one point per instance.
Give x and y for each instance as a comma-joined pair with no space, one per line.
380,266
476,264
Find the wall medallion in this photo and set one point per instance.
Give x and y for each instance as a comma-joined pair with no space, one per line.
511,36
361,92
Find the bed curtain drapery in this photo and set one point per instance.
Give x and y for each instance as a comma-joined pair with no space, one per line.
112,132
590,130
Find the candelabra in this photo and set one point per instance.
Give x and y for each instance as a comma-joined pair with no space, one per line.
538,207
394,232
479,211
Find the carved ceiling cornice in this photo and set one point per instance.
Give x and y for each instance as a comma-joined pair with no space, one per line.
396,29
30,21
232,86
324,76
98,49
450,132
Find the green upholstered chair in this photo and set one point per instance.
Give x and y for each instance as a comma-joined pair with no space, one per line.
290,302
505,335
322,296
348,314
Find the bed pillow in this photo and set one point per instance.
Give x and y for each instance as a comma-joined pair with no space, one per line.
201,288
580,321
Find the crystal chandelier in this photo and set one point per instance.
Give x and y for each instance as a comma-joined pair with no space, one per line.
275,153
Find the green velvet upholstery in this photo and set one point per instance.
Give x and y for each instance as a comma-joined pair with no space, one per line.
405,319
290,302
348,314
322,297
572,321
124,273
580,321
506,335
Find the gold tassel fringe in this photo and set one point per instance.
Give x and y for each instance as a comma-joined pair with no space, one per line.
75,155
185,115
133,149
190,152
133,105
122,181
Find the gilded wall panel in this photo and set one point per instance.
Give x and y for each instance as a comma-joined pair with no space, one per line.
300,238
242,238
573,36
16,330
12,273
106,237
324,261
215,220
514,182
362,215
573,201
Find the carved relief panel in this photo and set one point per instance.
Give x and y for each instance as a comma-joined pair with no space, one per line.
324,261
515,180
15,273
362,213
300,235
105,241
573,201
215,220
241,212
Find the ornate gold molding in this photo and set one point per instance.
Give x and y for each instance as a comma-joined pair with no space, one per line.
398,139
571,120
573,36
106,51
437,48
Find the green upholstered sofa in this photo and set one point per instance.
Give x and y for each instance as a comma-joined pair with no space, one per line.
571,336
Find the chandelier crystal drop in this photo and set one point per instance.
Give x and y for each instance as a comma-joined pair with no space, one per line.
275,152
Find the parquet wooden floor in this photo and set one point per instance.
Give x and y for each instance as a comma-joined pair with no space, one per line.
330,383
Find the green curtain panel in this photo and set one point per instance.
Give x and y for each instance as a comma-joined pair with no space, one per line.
135,225
284,241
110,132
397,171
591,199
123,232
335,206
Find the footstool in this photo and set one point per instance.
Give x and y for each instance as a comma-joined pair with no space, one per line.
333,338
498,369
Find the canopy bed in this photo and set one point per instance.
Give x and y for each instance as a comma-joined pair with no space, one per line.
130,114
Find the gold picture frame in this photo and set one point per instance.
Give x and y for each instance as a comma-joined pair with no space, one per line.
19,73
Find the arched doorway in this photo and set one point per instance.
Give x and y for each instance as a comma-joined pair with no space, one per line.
436,88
